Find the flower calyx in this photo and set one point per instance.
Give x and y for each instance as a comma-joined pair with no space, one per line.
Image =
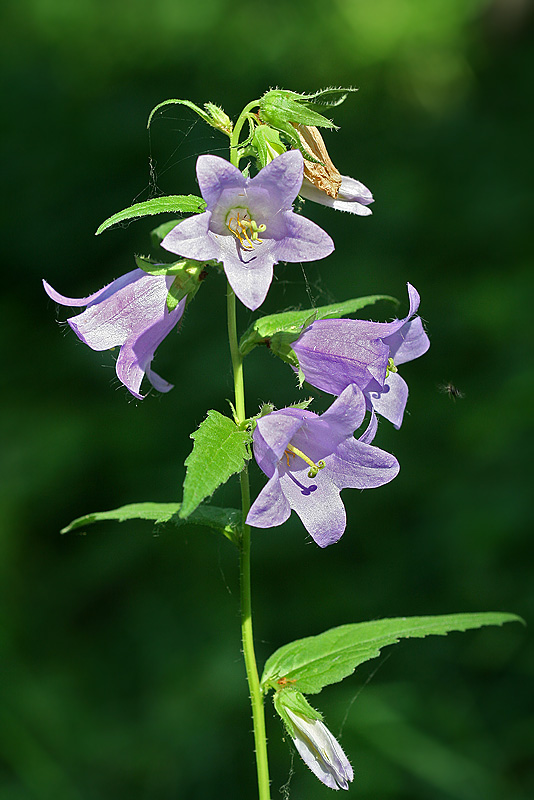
188,275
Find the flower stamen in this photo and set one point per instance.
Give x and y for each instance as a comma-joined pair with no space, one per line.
294,451
246,230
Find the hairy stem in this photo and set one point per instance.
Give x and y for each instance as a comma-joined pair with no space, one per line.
247,638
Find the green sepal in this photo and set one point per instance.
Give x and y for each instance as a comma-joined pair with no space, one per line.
158,234
220,450
279,107
157,268
183,203
296,702
211,114
223,520
267,144
189,275
326,98
317,661
288,325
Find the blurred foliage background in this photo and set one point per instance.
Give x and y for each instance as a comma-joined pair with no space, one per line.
121,671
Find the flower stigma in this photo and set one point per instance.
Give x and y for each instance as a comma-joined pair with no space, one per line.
294,451
390,367
244,228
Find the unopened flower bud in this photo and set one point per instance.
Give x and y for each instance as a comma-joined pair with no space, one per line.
320,751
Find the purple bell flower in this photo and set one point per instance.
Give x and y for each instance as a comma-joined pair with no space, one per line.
249,224
130,313
309,459
335,353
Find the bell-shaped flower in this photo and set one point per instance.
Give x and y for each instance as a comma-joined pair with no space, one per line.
130,313
320,751
249,224
323,183
335,353
309,459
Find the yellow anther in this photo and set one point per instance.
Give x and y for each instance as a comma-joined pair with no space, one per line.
246,231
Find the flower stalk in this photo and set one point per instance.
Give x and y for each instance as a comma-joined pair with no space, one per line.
247,635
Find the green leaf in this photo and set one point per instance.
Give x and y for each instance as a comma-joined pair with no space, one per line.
183,203
158,234
314,662
224,520
220,450
279,107
263,329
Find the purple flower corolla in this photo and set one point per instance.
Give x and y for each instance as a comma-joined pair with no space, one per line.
352,196
249,224
335,353
320,751
130,313
290,445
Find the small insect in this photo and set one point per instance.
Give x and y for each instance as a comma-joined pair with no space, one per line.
284,681
451,390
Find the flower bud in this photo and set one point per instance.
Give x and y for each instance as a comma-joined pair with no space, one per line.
318,748
218,118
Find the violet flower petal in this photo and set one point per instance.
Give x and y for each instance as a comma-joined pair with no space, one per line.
390,400
352,196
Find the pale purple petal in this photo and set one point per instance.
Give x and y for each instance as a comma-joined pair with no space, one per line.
107,291
409,342
317,503
390,401
333,353
370,432
356,465
272,434
271,507
352,196
215,175
249,274
304,240
191,238
138,351
282,179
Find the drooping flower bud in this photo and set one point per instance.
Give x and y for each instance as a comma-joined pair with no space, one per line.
318,748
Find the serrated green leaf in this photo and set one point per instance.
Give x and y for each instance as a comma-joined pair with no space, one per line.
278,106
292,322
224,520
182,203
314,662
220,450
328,98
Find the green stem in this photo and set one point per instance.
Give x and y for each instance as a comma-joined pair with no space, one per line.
234,139
247,637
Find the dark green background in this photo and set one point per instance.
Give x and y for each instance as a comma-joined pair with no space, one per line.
121,671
